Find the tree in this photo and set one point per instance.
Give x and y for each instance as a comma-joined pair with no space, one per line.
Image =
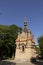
8,35
37,49
40,41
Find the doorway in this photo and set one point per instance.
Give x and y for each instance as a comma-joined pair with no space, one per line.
23,48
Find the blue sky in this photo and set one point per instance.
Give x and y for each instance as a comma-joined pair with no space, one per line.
14,12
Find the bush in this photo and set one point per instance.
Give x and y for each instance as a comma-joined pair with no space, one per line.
33,60
40,41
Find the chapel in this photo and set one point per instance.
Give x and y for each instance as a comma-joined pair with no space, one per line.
25,43
25,38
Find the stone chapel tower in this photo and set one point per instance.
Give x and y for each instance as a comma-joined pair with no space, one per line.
25,43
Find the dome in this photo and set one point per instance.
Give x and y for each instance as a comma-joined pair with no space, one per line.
23,36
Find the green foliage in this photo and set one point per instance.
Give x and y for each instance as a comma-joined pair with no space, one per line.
40,41
8,35
37,49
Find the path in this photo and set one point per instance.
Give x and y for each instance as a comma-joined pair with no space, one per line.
23,63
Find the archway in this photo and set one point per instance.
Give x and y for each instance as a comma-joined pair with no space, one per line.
23,48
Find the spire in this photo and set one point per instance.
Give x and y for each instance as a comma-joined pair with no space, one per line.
25,25
25,22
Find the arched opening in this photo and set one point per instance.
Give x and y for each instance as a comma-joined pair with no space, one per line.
23,48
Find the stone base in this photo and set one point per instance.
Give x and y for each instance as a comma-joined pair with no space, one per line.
23,56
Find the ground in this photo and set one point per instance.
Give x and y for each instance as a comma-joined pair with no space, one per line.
21,59
23,63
